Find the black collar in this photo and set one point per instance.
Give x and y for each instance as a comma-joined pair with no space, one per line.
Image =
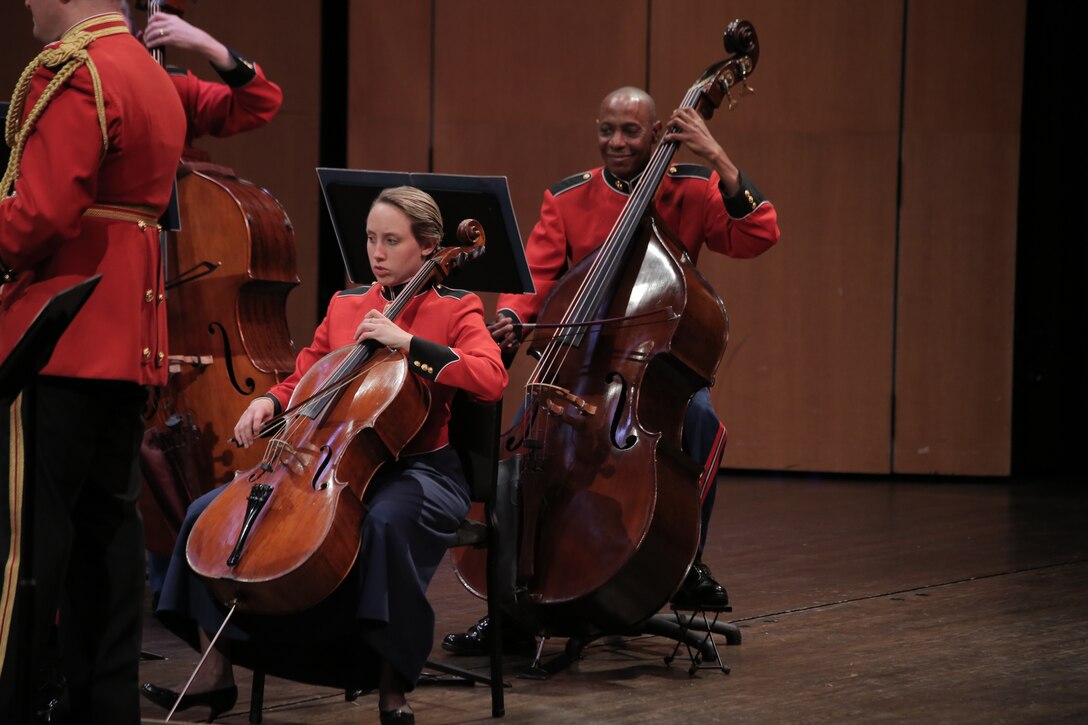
391,293
621,185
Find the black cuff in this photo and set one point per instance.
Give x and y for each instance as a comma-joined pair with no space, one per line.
276,407
240,74
518,330
428,358
745,201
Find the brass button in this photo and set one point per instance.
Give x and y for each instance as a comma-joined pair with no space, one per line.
142,224
162,297
149,295
160,357
416,363
147,353
673,169
619,184
585,176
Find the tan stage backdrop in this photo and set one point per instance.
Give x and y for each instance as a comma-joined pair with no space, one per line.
876,338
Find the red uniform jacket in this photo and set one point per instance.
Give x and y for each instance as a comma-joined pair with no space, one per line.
45,238
579,212
244,101
451,350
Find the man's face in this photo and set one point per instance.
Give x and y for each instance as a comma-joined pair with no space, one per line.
49,19
626,134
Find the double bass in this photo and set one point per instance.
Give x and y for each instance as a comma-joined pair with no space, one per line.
284,534
229,269
609,516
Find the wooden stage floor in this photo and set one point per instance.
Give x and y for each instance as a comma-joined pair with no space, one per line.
903,600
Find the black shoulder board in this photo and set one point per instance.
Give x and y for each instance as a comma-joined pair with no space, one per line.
355,291
176,70
689,171
443,291
570,182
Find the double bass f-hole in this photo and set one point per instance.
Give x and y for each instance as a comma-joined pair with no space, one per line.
620,414
228,359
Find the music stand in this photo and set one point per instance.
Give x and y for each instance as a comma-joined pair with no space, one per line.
502,268
24,361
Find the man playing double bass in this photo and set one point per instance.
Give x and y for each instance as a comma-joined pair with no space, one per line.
244,101
718,207
98,134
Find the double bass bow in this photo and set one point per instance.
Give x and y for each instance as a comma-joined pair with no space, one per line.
609,500
284,534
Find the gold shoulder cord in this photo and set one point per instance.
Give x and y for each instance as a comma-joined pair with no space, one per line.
67,57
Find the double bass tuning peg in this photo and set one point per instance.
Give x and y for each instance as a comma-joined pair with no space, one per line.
745,90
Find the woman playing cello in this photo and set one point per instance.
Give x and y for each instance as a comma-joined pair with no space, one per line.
381,623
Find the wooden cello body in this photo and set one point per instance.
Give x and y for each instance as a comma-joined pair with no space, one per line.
229,271
609,519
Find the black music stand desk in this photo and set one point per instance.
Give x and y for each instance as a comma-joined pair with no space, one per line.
502,268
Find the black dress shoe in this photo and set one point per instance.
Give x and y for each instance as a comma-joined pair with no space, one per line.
476,641
217,701
699,590
396,717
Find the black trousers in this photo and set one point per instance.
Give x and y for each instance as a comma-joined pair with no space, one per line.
88,561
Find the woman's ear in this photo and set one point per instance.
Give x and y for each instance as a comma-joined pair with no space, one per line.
426,249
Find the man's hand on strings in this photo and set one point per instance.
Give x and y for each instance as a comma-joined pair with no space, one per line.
504,332
168,30
688,127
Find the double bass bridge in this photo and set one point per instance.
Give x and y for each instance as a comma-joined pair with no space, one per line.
557,401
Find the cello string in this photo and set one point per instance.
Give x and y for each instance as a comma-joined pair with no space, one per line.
211,645
353,365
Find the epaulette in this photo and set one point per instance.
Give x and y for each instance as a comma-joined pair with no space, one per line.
175,70
457,294
689,171
570,182
355,291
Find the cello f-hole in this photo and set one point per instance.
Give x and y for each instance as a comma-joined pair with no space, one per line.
326,456
228,358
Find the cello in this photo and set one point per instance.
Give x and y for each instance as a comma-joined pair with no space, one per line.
609,518
284,534
230,268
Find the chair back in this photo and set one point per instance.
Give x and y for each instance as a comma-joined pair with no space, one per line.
474,433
